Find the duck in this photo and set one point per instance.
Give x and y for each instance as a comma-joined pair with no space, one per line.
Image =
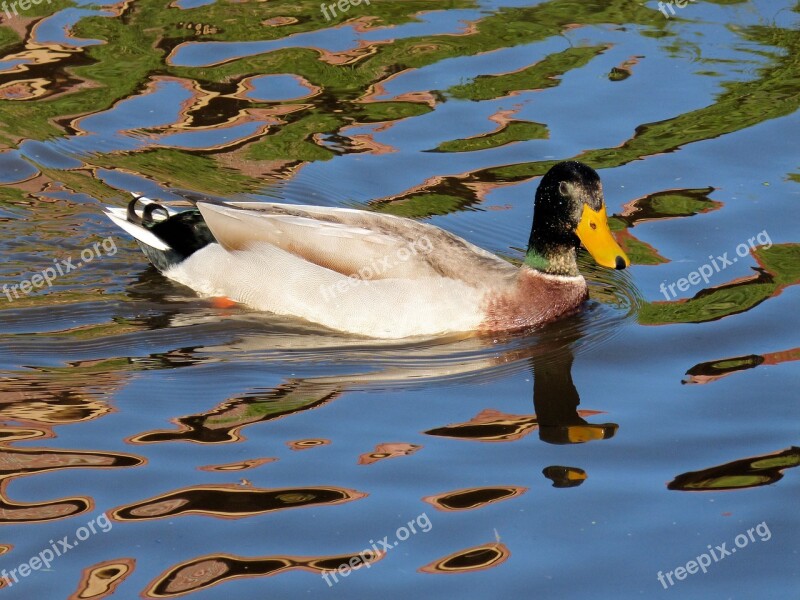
378,275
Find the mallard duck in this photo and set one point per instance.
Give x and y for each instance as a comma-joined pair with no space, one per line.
379,275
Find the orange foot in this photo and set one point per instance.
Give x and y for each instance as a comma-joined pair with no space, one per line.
222,302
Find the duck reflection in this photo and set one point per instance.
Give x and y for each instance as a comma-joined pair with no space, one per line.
218,335
564,477
556,400
555,403
547,354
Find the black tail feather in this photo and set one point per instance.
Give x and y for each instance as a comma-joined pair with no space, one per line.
185,233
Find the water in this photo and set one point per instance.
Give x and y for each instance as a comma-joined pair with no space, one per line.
642,447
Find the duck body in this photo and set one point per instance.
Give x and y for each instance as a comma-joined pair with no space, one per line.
350,270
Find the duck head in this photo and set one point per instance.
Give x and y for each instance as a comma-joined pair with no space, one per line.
569,211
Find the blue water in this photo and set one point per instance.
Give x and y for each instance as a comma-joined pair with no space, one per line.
595,457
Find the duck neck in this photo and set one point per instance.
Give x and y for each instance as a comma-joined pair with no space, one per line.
553,259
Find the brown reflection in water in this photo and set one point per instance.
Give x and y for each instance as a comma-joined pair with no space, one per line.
222,424
37,512
231,501
75,392
36,61
24,89
51,401
472,498
745,473
565,477
16,434
363,50
476,558
713,370
206,571
377,92
388,450
198,28
102,579
489,426
307,444
279,21
18,462
239,466
27,461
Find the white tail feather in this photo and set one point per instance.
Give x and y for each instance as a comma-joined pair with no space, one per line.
119,216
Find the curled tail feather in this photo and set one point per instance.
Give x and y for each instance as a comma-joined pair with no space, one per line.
166,237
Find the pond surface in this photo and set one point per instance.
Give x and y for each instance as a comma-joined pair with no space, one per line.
157,445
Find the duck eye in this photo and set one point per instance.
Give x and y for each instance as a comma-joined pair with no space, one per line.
593,225
563,189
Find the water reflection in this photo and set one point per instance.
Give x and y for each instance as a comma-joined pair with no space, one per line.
231,501
476,558
20,462
777,269
565,477
223,423
489,426
425,116
714,370
472,498
388,450
206,571
102,580
745,473
555,402
238,466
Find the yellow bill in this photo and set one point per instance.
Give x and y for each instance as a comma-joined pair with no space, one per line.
596,237
579,434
